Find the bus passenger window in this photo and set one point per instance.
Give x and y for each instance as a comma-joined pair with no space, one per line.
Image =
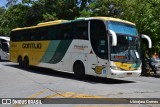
32,38
13,36
53,33
42,34
5,47
65,35
66,30
42,38
81,30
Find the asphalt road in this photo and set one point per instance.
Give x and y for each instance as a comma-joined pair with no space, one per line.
45,83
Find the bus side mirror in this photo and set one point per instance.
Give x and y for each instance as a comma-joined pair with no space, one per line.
148,39
114,37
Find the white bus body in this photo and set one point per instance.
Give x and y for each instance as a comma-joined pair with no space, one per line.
4,48
97,46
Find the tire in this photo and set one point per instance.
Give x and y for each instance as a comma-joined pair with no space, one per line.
26,63
79,70
20,62
0,59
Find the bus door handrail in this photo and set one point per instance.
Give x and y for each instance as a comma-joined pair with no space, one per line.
114,37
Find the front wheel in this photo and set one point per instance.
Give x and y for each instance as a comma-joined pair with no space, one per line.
79,70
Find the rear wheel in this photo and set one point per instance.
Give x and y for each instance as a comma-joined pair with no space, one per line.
79,70
26,63
20,62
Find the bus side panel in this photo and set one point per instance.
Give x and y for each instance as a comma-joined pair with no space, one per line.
66,62
56,55
78,51
34,50
14,51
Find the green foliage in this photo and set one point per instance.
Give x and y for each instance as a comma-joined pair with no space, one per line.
11,2
2,10
144,13
110,8
13,17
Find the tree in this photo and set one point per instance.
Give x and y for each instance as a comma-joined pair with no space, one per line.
146,16
13,17
111,8
144,13
2,10
47,10
11,2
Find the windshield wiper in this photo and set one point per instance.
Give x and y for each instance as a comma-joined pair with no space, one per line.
136,56
129,54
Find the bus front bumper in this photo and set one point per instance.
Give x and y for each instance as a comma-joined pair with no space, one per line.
121,74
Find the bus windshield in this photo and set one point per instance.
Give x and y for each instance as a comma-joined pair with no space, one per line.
5,47
122,28
128,43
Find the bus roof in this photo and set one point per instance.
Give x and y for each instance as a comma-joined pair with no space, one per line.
42,24
110,19
5,38
65,21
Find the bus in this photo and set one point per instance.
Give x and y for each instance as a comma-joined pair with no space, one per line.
97,46
4,48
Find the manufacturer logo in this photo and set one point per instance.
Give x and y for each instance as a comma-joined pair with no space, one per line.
98,69
80,47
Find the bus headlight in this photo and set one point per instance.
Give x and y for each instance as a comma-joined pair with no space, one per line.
139,68
115,68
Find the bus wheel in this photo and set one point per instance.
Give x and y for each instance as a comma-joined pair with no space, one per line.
20,62
26,63
0,59
79,70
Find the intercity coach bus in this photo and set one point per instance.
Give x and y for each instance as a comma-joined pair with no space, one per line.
4,48
97,46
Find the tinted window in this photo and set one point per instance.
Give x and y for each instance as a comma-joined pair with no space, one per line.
98,37
81,30
122,28
76,30
54,33
42,34
21,35
33,34
24,35
66,31
14,36
60,32
5,47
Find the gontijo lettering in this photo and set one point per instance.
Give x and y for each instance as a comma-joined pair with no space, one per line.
32,45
